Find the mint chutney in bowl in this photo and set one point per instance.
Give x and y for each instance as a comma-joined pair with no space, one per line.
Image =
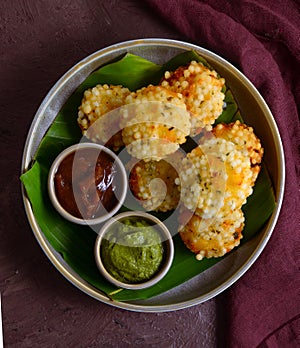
134,250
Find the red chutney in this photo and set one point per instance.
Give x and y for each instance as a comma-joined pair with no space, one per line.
86,183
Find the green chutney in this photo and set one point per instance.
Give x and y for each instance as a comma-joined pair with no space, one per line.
132,250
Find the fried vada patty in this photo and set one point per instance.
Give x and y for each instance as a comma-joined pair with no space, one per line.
213,238
245,141
153,184
215,174
216,221
97,104
155,122
202,90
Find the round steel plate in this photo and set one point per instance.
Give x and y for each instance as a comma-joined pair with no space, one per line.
255,113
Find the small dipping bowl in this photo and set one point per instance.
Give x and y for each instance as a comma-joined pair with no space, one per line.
116,199
154,223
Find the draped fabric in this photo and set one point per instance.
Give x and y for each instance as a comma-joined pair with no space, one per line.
262,39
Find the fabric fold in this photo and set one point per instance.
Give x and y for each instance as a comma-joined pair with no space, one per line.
262,39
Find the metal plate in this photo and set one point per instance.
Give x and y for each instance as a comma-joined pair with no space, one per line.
255,113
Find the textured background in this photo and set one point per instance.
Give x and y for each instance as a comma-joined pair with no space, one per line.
41,40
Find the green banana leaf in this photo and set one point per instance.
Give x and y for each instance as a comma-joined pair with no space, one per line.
75,243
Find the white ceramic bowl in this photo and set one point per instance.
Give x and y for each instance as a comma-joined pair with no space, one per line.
167,243
122,184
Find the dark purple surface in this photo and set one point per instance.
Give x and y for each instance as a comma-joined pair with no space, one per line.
40,40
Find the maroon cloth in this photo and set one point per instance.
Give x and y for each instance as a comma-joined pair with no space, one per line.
262,38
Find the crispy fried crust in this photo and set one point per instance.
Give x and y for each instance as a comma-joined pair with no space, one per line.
155,122
213,238
153,184
201,89
96,103
213,235
245,140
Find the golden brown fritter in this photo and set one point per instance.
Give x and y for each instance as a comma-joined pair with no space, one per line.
153,184
245,140
201,89
212,237
155,122
216,221
97,104
215,175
